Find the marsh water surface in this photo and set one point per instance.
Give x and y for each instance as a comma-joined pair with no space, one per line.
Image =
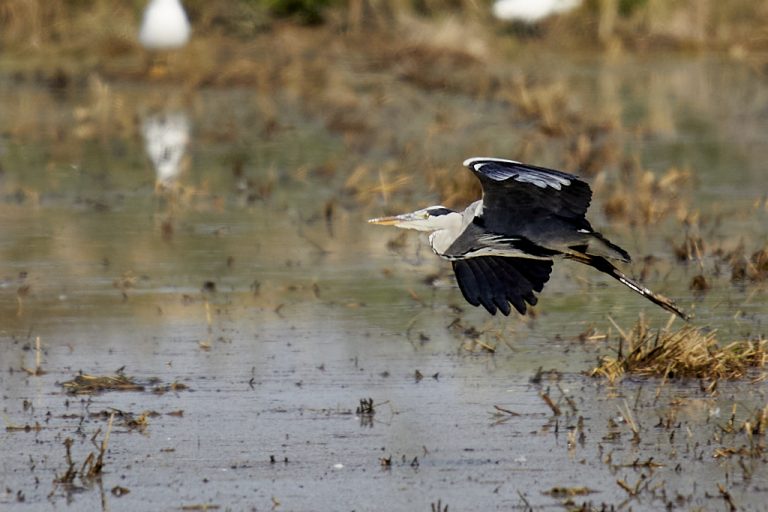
252,279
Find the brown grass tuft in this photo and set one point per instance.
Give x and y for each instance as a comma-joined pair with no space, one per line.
89,384
641,197
757,268
753,268
688,352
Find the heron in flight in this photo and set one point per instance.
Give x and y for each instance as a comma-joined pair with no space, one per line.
502,246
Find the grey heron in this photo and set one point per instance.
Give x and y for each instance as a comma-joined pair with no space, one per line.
502,246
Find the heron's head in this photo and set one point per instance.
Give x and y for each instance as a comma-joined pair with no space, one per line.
431,218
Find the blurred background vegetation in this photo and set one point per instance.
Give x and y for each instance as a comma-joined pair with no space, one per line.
366,70
74,26
341,110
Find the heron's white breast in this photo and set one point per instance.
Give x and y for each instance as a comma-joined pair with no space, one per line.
451,227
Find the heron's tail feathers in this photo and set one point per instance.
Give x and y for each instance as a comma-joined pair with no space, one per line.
602,247
603,265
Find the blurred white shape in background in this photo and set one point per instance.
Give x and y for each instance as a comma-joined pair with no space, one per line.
165,25
166,136
531,11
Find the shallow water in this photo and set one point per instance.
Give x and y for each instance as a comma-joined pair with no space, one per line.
308,312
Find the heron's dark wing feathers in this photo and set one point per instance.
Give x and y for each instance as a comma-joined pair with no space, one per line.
495,282
514,192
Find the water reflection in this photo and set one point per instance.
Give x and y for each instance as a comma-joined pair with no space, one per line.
166,136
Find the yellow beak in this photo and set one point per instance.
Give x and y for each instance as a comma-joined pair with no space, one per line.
385,221
404,218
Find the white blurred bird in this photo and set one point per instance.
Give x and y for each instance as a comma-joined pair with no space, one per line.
165,25
165,138
531,11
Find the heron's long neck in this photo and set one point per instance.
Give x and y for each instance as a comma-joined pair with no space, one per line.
442,239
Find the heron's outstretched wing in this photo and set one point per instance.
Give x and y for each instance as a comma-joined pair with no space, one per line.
495,282
515,193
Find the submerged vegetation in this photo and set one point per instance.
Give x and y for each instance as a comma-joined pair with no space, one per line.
87,384
83,384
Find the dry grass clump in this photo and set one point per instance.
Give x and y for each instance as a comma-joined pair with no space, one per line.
641,197
84,384
754,268
89,384
758,270
688,352
754,429
746,266
91,468
435,68
691,249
